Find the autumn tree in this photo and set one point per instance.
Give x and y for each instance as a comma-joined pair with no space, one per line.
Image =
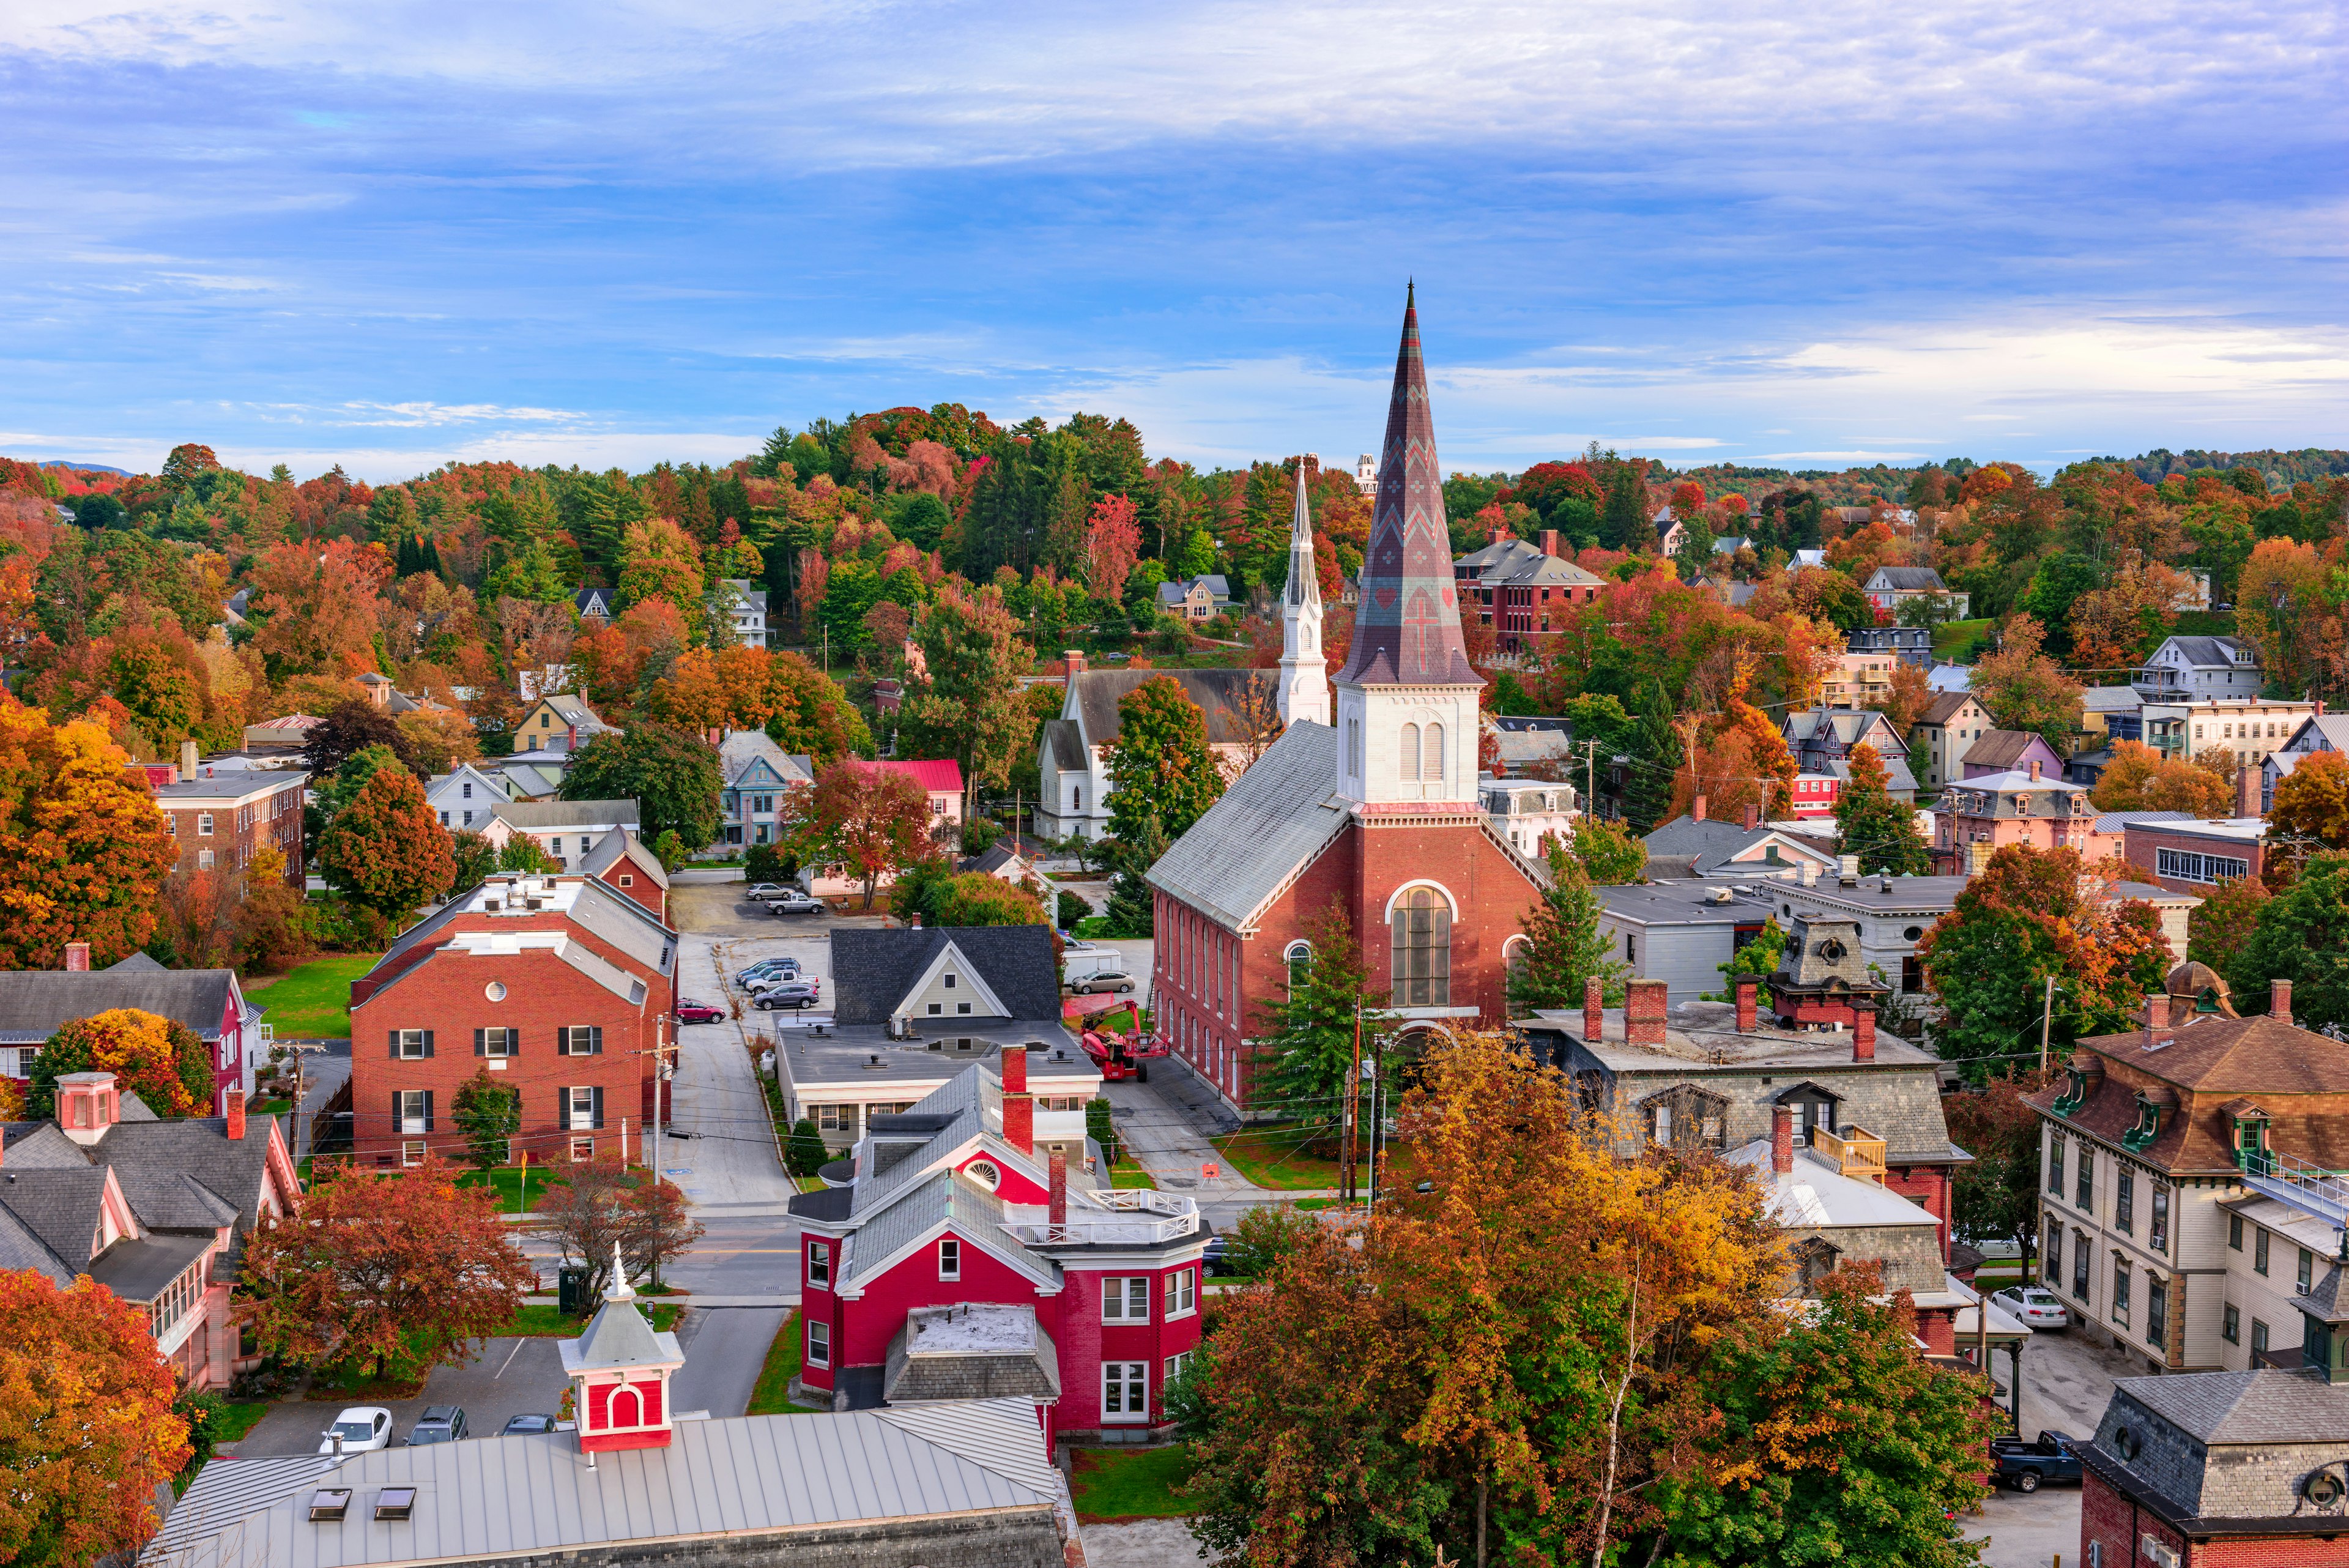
1565,944
2139,778
1997,1196
1607,852
810,715
2031,915
88,1436
391,1271
876,820
2311,809
2302,936
315,607
1910,693
673,776
967,704
82,847
658,560
385,849
1873,826
2024,689
1160,763
2222,924
160,1060
344,731
268,933
1113,544
602,1205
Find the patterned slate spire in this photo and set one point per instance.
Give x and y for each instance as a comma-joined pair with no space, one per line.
1407,626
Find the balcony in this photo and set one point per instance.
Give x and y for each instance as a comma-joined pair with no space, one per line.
2288,1179
1114,1218
1857,1152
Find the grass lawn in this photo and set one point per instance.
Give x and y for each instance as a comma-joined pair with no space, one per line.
1125,1173
773,1396
313,1001
1112,1485
1276,1157
233,1421
548,1322
1953,638
508,1181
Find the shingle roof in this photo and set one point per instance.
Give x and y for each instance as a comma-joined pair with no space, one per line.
1276,818
535,1495
2003,749
148,1156
945,1198
572,710
140,1270
872,969
613,847
2262,1407
2216,1057
1945,707
1907,580
1068,745
742,749
2207,652
2111,700
34,1004
22,1248
1217,691
536,815
59,1206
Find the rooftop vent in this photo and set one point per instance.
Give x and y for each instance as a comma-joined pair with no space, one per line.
874,1063
328,1506
396,1502
492,906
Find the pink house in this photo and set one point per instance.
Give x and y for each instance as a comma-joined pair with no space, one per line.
940,779
1977,816
957,1263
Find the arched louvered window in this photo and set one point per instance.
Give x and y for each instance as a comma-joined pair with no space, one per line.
1409,750
1434,769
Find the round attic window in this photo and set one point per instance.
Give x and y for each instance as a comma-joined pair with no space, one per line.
984,1172
1913,933
495,990
1831,949
2322,1489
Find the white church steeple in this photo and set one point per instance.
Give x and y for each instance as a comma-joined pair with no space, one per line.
1304,674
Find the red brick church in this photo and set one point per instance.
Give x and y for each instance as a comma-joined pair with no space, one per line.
1377,812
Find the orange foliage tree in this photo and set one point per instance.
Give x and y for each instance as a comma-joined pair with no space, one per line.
2311,810
385,849
87,1432
82,846
2141,779
161,1061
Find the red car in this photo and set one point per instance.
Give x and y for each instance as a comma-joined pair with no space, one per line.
698,1012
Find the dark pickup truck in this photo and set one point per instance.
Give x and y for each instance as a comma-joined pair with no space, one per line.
2028,1466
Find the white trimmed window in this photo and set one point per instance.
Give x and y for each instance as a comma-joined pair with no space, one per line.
819,1264
1125,1390
1175,1364
950,1259
1125,1298
583,1149
819,1343
1182,1292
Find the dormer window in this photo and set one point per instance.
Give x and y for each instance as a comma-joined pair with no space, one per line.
2147,1127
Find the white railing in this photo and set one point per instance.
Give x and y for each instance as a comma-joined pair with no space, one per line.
1125,1216
2310,1188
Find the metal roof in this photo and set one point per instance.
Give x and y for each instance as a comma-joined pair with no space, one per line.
1276,818
489,1498
533,815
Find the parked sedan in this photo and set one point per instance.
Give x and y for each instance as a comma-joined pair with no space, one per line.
361,1428
794,994
698,1012
1115,980
796,904
439,1423
2038,1308
522,1425
760,892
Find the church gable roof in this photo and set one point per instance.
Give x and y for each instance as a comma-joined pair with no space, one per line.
1094,694
1274,821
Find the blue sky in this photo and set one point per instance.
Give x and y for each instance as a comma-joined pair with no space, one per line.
393,234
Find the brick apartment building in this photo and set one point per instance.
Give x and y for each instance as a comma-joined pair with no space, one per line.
223,817
563,986
2195,855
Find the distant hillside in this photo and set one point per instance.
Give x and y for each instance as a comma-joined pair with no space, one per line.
82,467
2284,469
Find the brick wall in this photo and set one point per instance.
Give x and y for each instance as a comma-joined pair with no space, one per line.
2143,842
447,994
239,832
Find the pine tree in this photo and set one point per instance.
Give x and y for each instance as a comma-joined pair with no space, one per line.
1655,758
1563,944
1306,1041
1878,829
1626,512
1131,911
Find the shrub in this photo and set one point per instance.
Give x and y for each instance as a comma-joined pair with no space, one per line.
806,1154
1073,910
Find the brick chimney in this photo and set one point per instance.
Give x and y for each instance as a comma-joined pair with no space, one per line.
1748,987
1058,1212
1019,1106
236,1115
76,958
1782,1138
2247,791
2035,770
1594,1008
2280,1000
1696,809
1549,541
1753,817
1863,1030
1076,658
1643,1013
2157,1011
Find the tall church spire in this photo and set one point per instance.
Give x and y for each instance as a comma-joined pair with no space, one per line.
1304,693
1407,627
1406,701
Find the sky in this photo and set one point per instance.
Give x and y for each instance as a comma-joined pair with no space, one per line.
401,233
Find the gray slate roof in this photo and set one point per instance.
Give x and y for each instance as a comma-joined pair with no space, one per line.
1271,825
2262,1407
1097,693
58,1206
34,1004
537,816
742,749
1068,744
1906,580
501,1497
613,847
2207,652
872,970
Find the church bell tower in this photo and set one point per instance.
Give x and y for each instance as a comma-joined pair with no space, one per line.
1304,674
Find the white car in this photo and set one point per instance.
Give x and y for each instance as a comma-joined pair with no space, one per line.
2035,1307
362,1428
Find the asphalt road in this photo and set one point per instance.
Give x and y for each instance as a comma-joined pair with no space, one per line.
724,1350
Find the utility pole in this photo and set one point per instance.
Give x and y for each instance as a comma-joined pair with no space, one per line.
1589,776
1352,1111
2046,1014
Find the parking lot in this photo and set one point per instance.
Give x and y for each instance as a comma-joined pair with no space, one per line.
509,1378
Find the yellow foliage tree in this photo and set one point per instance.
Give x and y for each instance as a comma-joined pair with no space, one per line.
82,847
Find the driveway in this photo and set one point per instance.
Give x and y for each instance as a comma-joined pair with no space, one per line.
724,1152
2028,1531
2067,1381
1166,1123
725,1349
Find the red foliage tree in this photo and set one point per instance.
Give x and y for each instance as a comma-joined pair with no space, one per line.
1113,544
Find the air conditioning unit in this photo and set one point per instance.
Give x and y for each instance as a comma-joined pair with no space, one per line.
2160,1554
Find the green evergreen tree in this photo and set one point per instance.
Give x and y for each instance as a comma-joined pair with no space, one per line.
1655,757
806,1152
488,1111
1131,911
1305,1042
1564,945
1878,829
2302,936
